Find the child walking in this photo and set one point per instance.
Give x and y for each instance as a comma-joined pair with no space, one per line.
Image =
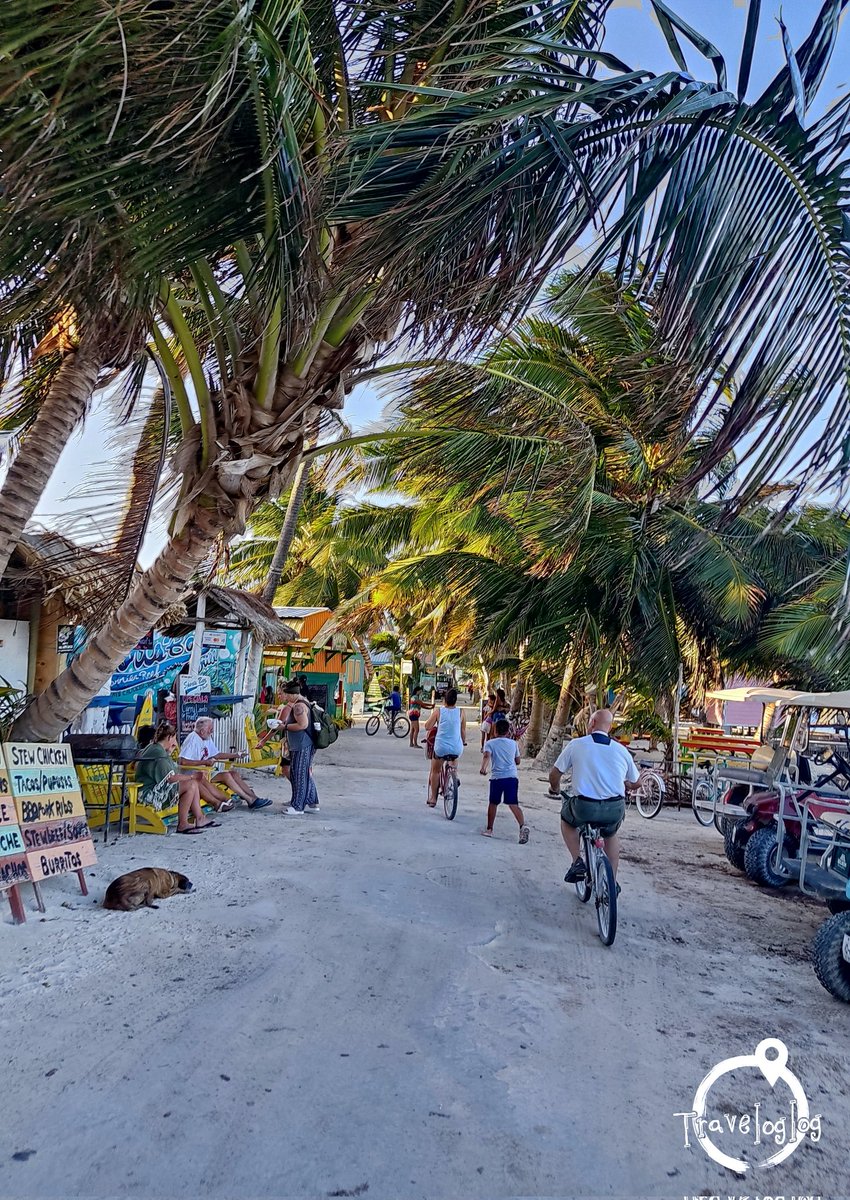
501,754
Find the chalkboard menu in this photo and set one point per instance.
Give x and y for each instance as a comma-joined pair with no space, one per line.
192,707
42,818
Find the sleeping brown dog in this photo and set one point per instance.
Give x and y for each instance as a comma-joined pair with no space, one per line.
138,889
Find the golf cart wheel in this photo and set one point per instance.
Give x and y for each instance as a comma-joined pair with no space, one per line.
838,906
734,843
401,727
828,951
373,725
761,858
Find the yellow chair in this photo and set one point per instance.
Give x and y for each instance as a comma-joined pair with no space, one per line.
94,781
258,756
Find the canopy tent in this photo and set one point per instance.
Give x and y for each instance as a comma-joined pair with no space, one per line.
754,694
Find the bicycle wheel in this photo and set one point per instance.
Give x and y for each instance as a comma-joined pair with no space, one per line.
649,796
401,727
606,899
584,887
450,795
702,802
373,725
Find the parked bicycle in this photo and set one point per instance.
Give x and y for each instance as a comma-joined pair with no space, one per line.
598,882
401,728
649,794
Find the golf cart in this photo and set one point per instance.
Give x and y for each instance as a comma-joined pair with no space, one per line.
830,880
735,766
771,818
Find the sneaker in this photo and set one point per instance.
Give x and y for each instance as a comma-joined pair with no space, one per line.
577,872
294,812
312,808
523,834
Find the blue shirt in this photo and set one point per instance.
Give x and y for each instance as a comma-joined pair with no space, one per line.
395,701
503,755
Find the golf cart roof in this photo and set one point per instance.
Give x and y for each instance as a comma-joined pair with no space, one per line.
762,695
821,700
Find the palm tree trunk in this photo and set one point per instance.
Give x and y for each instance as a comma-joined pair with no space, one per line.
272,583
159,587
517,693
554,742
59,414
287,532
531,740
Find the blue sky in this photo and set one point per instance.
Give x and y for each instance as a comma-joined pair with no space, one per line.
632,34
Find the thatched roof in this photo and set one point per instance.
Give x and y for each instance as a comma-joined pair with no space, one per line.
230,608
251,611
45,564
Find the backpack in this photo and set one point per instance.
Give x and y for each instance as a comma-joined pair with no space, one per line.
322,729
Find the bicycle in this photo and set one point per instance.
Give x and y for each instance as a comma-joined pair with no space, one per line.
649,793
448,787
599,881
400,729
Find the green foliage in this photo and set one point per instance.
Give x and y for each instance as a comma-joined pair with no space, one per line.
13,701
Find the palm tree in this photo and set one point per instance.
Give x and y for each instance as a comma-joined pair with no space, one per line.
111,177
388,170
809,630
587,541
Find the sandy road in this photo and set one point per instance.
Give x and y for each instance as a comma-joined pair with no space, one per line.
378,1002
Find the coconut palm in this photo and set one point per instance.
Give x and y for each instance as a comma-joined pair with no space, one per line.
809,630
112,176
398,170
621,570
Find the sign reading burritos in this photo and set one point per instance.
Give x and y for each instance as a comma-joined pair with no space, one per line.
43,827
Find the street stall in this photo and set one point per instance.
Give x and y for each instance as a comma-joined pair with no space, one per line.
322,656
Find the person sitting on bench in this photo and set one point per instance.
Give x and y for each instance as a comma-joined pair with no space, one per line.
163,788
199,750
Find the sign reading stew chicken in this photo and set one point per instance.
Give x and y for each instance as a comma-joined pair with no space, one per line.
43,827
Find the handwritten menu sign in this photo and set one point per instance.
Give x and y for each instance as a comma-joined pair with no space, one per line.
49,817
192,707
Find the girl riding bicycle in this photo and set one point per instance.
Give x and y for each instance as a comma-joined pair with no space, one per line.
449,724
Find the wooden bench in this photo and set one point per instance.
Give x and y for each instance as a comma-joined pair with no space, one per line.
143,818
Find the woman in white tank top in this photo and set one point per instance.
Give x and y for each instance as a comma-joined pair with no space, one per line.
450,724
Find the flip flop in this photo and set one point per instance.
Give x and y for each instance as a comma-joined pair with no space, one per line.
486,832
260,802
226,806
192,830
430,805
208,825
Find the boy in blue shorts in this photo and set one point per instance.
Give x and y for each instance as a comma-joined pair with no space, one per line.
501,754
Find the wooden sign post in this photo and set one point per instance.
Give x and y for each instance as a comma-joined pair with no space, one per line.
47,833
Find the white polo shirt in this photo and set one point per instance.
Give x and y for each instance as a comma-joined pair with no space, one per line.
599,766
198,749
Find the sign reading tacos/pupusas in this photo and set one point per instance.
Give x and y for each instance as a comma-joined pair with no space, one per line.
43,827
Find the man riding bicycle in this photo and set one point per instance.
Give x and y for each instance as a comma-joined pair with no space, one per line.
602,772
